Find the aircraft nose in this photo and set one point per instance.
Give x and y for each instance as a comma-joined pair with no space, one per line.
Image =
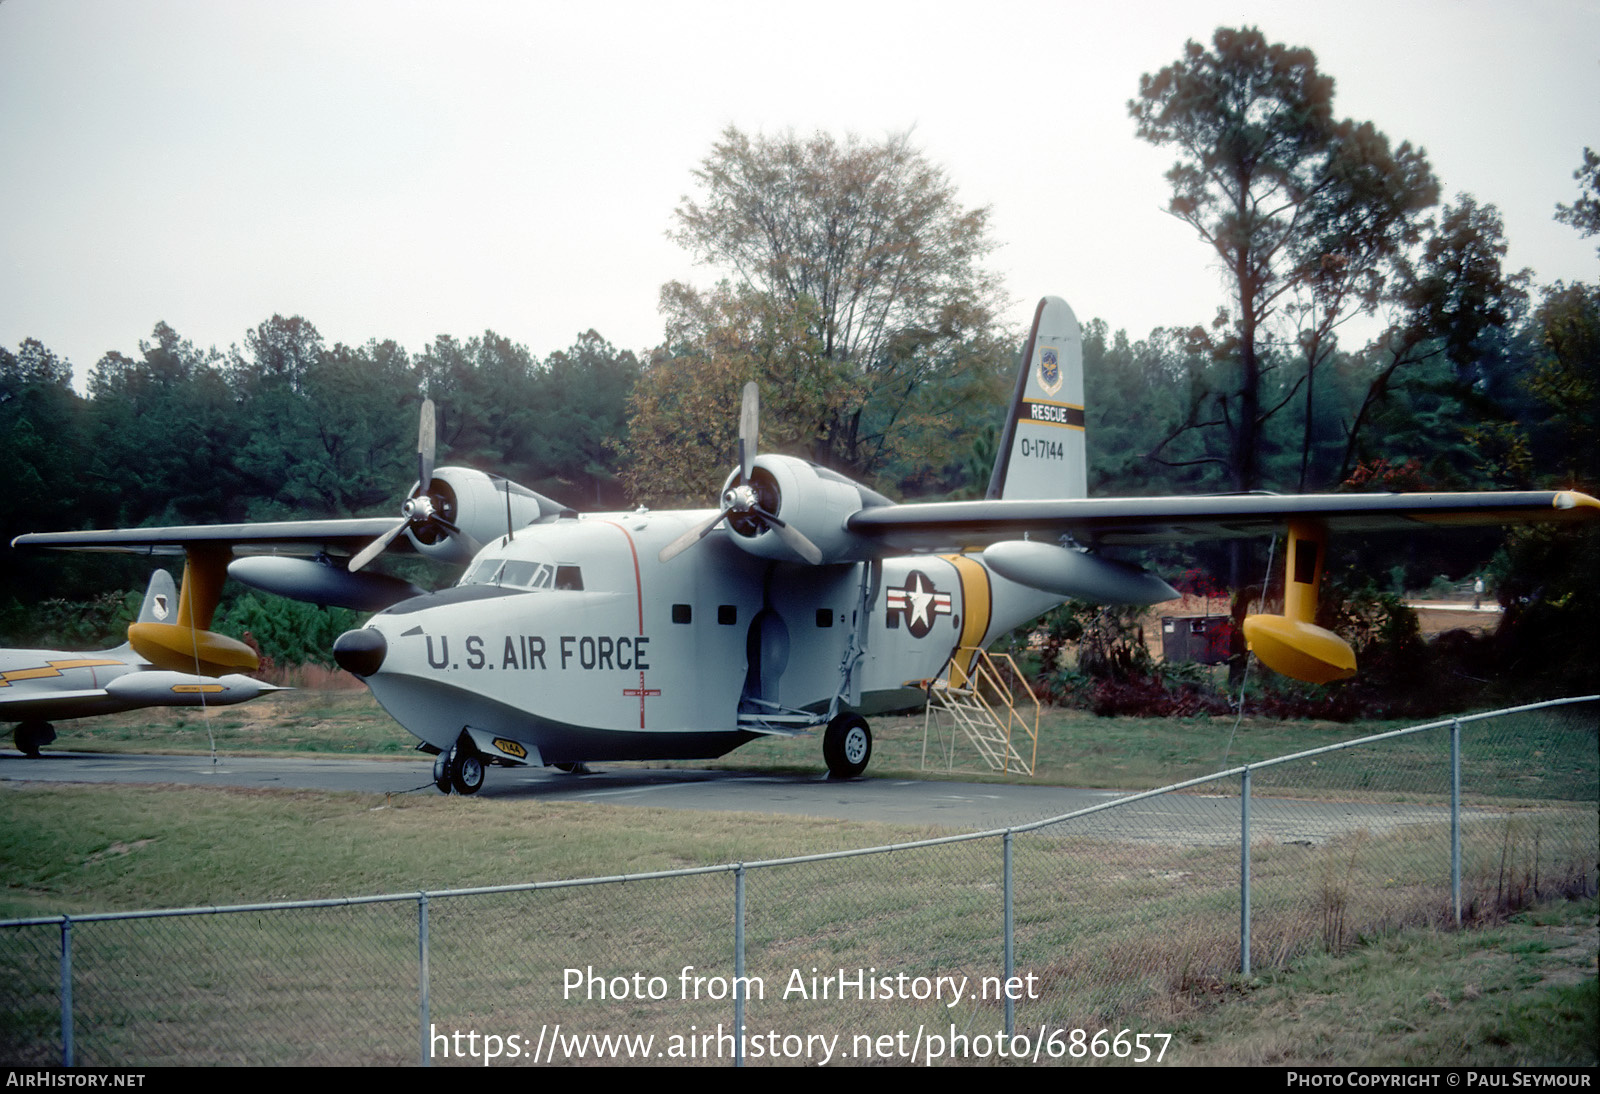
361,651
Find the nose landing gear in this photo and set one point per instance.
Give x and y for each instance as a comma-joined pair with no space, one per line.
461,769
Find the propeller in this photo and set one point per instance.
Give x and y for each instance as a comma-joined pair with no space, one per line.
421,512
748,503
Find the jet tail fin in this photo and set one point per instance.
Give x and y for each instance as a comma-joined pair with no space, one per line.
1042,454
160,599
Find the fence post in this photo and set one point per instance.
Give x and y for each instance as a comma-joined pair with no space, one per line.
1011,940
1244,874
422,978
738,965
66,992
1455,818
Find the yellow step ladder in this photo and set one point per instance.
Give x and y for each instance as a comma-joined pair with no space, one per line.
983,698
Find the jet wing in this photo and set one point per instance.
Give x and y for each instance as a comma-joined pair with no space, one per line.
1095,522
292,537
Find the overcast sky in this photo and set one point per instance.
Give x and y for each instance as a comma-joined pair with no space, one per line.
402,170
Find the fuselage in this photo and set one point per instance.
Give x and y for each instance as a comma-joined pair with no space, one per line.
570,641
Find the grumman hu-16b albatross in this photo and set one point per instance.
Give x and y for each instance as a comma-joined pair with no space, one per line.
38,685
804,600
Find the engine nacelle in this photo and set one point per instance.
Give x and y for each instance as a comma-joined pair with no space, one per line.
483,506
1067,573
319,582
813,500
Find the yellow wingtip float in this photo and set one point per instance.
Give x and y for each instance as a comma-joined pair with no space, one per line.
187,646
1292,643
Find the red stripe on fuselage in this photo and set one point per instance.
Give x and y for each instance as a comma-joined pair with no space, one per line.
638,582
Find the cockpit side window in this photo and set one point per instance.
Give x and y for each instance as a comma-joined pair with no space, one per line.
569,577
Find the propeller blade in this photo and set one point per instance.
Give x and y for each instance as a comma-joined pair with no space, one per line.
793,538
375,548
425,447
472,545
691,537
749,422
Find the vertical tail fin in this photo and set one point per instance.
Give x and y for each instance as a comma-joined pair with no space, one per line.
1042,453
160,599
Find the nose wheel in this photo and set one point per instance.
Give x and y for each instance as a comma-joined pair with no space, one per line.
461,769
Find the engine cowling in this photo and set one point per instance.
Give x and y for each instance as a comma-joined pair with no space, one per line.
815,501
476,503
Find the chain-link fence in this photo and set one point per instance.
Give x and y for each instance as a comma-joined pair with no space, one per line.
1079,936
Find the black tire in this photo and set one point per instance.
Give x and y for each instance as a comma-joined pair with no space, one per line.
847,746
30,737
466,770
578,768
441,772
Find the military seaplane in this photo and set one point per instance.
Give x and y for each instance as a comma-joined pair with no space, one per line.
38,686
802,601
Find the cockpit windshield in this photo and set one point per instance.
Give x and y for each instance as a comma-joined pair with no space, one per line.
514,573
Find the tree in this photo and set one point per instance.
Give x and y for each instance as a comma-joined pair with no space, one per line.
43,428
870,241
1291,200
581,399
684,412
1584,214
169,435
1451,297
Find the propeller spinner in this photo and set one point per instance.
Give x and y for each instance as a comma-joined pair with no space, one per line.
749,503
424,513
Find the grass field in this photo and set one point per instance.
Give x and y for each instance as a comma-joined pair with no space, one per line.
1075,749
1126,933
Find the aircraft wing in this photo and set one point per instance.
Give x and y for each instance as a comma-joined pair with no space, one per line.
292,537
1094,522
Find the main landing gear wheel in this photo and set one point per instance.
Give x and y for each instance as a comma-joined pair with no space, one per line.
460,769
30,737
847,746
